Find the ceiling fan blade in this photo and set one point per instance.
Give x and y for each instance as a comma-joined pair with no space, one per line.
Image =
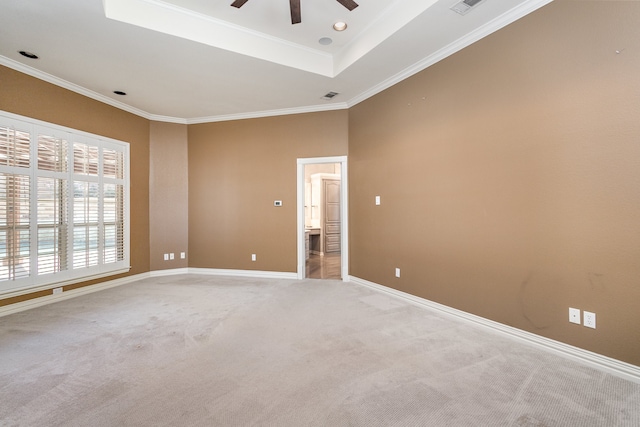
296,16
239,3
349,4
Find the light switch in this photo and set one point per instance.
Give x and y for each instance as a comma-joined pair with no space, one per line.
377,200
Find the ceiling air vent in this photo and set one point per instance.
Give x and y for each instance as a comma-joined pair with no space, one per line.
330,95
464,6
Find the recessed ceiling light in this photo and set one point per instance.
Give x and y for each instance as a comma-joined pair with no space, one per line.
325,41
340,26
119,92
28,54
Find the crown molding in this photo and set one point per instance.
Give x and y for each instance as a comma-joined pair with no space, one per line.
491,27
496,24
270,113
25,69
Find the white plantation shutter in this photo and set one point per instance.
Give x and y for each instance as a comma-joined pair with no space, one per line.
14,147
52,225
52,204
15,236
64,205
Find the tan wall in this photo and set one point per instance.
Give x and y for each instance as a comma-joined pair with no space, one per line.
236,171
168,195
510,178
28,96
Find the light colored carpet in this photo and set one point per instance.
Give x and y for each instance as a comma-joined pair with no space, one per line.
218,351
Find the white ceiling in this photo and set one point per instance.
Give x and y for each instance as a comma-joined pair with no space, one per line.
192,61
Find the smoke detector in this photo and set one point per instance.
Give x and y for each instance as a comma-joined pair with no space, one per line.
464,6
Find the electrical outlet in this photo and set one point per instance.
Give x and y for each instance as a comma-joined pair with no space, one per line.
253,257
397,272
574,315
183,255
166,257
57,291
589,319
171,256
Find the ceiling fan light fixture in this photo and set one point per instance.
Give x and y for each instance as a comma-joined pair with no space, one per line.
340,26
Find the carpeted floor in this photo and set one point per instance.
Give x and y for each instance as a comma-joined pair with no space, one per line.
219,351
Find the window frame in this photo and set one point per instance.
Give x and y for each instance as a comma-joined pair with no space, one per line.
36,281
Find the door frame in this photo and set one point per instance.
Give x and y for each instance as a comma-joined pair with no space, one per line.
344,213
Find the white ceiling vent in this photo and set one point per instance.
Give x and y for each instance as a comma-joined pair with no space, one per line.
330,95
464,6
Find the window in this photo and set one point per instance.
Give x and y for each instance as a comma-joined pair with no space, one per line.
64,203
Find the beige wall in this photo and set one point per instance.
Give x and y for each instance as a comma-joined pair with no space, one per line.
236,171
28,96
168,195
510,178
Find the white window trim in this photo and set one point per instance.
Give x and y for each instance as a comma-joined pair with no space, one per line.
35,282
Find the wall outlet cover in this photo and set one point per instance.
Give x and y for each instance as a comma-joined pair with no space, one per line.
574,315
589,319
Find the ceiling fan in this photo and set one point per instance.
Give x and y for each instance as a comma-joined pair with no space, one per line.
296,16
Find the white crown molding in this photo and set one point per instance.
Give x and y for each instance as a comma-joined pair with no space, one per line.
166,119
505,19
25,69
270,113
494,25
595,360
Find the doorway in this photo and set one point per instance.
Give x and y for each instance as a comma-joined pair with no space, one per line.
322,218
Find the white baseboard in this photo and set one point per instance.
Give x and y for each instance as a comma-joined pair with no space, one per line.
244,273
50,299
595,360
169,272
604,363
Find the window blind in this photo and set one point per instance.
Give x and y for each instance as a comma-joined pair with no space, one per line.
64,205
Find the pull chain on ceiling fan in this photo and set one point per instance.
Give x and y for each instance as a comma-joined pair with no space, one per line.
296,15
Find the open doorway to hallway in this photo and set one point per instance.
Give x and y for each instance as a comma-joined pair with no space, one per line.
322,218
